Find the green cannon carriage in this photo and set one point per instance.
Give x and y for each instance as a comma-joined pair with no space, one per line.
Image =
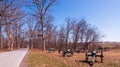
94,54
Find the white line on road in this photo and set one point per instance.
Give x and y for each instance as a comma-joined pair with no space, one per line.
12,58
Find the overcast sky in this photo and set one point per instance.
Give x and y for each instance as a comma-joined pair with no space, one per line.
104,14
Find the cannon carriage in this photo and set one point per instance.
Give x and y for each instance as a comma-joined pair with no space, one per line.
93,54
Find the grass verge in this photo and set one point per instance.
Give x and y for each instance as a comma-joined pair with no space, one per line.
39,58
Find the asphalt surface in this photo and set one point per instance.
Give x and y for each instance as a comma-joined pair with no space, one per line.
12,58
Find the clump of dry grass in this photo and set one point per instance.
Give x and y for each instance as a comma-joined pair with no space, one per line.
44,59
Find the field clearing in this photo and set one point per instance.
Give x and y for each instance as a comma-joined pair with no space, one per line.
39,58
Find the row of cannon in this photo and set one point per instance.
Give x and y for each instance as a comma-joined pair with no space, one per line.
93,54
88,53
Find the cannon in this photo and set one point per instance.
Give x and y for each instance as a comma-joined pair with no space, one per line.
52,50
68,53
94,54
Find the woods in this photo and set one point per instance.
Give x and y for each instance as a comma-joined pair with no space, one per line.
19,28
11,24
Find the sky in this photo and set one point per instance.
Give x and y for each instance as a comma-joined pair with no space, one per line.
104,14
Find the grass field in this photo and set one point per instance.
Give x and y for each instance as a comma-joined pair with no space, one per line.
39,58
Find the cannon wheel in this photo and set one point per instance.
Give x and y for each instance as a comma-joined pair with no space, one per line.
102,56
86,54
93,59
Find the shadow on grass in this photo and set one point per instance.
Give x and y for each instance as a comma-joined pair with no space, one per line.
90,63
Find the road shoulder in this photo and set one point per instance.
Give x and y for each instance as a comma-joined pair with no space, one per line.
24,62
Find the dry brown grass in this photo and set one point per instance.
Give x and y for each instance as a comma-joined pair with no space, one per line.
3,50
111,59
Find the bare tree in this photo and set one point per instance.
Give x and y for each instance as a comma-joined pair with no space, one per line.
5,6
91,37
69,26
78,32
84,34
42,8
10,15
31,26
50,31
61,39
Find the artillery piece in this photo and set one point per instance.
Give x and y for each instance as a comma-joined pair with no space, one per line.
94,54
68,53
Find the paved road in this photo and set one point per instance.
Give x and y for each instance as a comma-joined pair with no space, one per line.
12,58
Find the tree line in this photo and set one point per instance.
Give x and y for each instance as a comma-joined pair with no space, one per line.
19,28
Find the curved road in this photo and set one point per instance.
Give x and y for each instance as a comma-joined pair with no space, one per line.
12,58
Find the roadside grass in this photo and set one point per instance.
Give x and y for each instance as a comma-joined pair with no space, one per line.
39,58
3,50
